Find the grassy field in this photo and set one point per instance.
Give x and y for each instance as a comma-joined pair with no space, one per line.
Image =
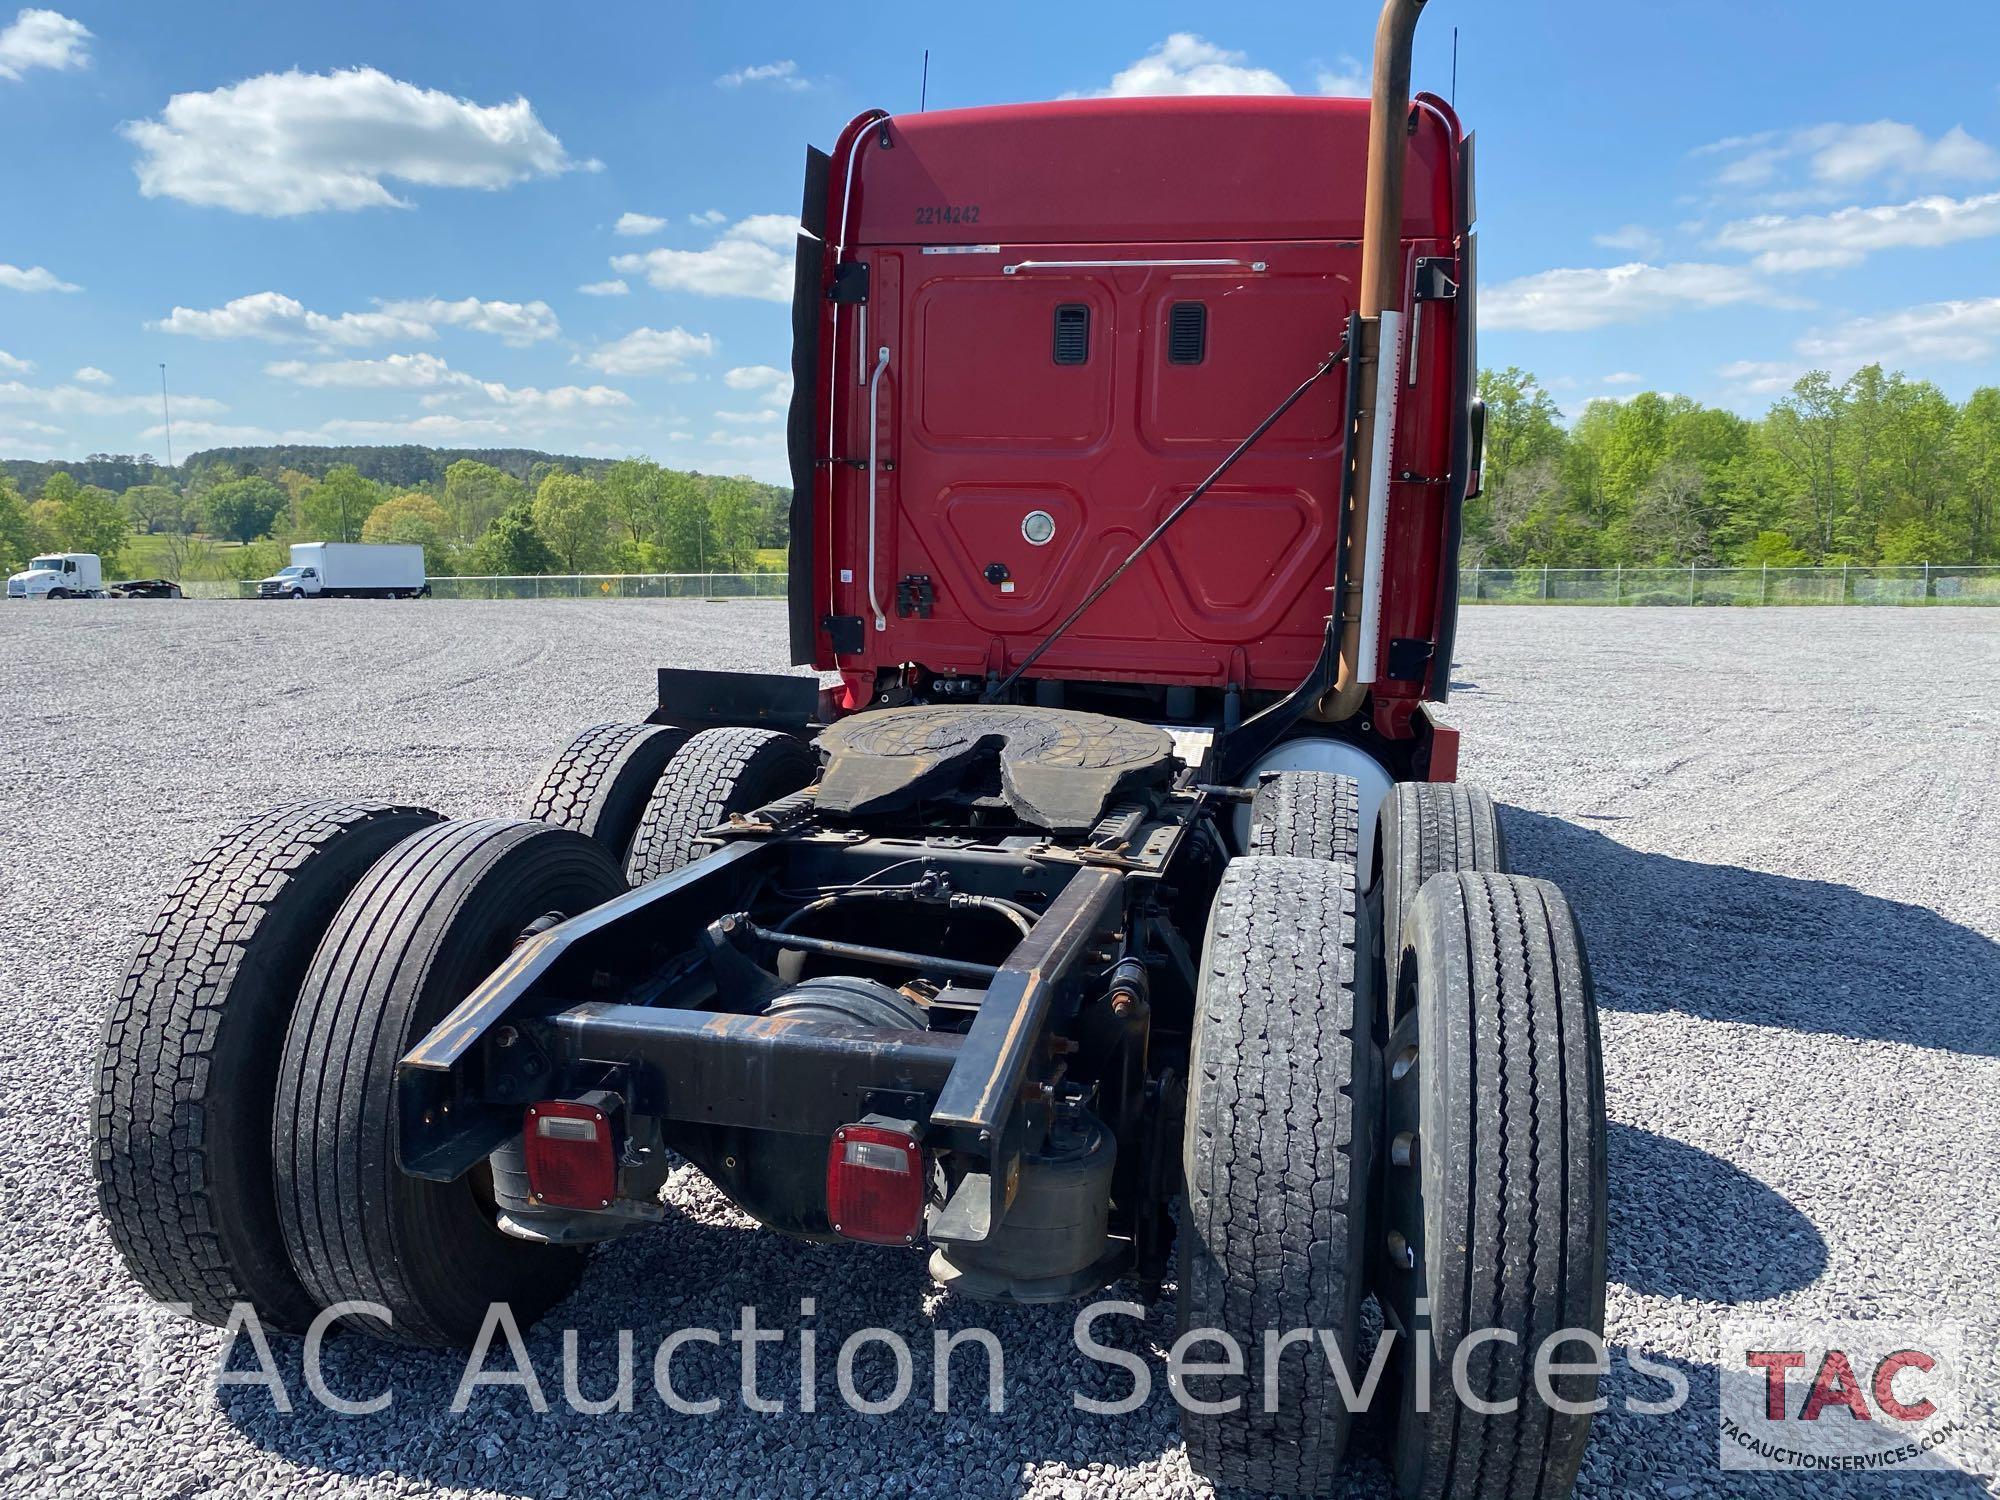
199,559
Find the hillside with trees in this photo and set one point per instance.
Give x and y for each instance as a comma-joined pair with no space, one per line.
1878,469
229,513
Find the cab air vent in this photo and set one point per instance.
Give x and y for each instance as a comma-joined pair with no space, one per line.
1072,343
1187,333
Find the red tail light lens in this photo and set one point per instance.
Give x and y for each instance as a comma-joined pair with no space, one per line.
875,1183
571,1162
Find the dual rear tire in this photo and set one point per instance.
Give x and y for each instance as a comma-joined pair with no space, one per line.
648,792
181,1131
244,1135
1493,1199
1276,1163
1462,1165
426,925
244,1143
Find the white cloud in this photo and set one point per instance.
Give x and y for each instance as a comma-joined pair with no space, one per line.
708,216
12,366
294,143
751,258
43,39
516,323
1635,239
427,372
631,223
1186,64
1849,235
750,418
562,398
649,351
615,287
394,372
280,319
1762,377
1347,80
33,279
770,384
783,74
1933,332
1623,377
225,434
1566,301
91,375
1844,156
75,400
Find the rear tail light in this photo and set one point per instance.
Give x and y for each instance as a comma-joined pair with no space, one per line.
571,1159
875,1185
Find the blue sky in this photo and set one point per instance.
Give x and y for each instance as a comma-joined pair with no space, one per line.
377,223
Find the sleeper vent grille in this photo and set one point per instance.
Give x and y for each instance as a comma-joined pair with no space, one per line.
1187,333
1072,342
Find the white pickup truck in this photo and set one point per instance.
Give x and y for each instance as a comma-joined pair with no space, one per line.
59,575
349,570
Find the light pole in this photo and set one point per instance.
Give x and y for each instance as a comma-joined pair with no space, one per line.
166,414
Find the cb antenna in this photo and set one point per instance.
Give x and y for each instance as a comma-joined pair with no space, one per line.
924,89
1454,70
166,414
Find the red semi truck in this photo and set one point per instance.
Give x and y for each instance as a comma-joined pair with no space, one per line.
1111,915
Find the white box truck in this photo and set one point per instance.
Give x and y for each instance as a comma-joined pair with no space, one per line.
349,570
59,575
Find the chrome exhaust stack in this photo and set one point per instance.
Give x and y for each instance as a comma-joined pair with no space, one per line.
1376,363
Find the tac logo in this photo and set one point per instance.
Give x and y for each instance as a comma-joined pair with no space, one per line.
1839,1396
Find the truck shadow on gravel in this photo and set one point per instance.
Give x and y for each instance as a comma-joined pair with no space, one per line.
1680,1218
1729,944
1677,1453
701,1267
696,1272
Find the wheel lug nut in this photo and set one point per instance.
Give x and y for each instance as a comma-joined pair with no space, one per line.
1405,1061
1403,1149
1401,1255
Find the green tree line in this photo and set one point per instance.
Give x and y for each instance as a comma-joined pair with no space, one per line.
216,518
1878,469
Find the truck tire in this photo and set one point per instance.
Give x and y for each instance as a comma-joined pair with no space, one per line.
1428,828
1496,1182
433,918
1276,1163
716,773
1308,815
181,1130
599,784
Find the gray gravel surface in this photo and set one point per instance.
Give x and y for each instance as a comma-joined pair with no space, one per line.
1778,827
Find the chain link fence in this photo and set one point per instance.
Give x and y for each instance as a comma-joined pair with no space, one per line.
1922,583
565,586
1918,584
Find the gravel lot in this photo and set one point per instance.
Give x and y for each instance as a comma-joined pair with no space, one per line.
1779,828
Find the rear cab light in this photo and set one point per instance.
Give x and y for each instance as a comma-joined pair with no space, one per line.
877,1183
572,1158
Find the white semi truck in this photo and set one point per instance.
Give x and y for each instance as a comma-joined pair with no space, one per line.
59,575
349,570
